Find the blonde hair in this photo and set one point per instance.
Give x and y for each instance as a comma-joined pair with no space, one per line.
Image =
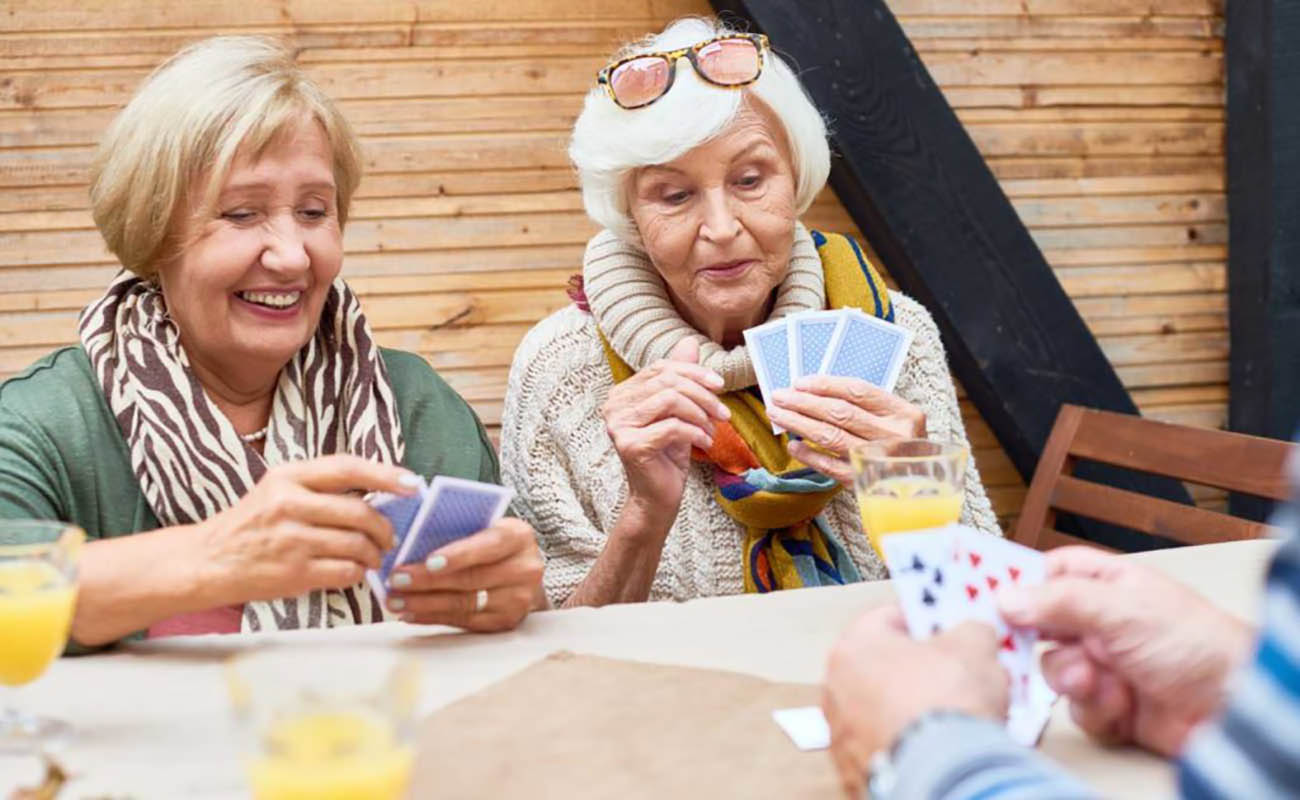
181,131
610,142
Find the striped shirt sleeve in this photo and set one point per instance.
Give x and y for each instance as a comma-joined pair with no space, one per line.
1253,749
964,758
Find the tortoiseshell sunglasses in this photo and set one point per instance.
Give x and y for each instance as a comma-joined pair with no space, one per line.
730,61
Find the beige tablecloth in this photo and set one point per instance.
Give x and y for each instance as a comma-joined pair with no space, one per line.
153,721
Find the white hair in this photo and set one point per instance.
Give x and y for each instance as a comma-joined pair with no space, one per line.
609,142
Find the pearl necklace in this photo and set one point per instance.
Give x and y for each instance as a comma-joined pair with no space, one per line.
255,436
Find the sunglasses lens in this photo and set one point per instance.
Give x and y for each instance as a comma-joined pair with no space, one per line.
639,81
729,62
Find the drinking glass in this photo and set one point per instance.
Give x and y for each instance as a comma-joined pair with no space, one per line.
908,485
38,591
326,723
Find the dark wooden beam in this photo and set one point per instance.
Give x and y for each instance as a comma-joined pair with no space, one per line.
1263,54
919,190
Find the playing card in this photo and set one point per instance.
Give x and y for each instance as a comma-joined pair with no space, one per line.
979,566
921,566
769,350
868,348
806,727
401,512
989,564
453,509
810,340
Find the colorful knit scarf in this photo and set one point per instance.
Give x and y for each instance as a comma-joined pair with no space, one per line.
778,500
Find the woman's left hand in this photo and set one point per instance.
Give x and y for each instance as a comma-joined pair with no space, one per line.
838,414
486,582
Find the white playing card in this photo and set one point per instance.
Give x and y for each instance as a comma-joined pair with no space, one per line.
868,348
921,566
769,350
979,566
810,340
806,727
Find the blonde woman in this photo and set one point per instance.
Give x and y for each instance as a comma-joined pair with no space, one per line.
632,432
227,400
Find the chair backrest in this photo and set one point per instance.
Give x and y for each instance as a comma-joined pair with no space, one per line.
1232,461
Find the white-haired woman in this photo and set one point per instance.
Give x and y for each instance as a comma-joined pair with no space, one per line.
632,432
227,401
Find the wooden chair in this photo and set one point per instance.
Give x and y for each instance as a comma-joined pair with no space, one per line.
1232,461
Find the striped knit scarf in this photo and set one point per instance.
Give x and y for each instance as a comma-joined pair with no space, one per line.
777,500
332,397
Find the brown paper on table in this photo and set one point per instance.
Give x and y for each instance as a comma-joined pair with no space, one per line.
577,726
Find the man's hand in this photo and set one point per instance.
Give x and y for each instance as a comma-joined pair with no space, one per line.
879,680
1141,657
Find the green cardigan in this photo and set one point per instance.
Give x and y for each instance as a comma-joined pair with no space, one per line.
62,455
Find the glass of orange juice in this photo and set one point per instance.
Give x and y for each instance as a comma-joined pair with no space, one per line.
326,723
38,591
908,485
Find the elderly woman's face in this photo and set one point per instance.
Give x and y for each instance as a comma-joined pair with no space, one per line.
248,286
718,223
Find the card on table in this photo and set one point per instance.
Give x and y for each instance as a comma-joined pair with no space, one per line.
806,726
449,509
769,351
868,348
810,340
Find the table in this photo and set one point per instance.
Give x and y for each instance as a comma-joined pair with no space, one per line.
153,720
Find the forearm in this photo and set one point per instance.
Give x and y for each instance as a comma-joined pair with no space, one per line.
625,569
957,757
128,583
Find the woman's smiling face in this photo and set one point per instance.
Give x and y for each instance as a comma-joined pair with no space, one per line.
718,223
249,283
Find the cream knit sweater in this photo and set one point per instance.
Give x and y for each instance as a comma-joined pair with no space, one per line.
570,484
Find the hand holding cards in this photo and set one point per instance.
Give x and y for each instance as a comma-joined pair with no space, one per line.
946,576
845,342
438,514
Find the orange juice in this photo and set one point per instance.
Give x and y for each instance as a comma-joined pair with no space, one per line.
36,603
331,756
907,503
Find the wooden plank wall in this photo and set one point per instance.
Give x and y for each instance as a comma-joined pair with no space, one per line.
1102,118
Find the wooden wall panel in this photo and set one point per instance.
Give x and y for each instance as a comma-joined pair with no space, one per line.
1103,119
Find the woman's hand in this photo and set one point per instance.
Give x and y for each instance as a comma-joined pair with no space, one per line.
485,582
296,531
655,417
837,414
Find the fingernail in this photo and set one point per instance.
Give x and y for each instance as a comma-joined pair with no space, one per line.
803,383
725,412
396,603
715,379
782,396
1014,603
400,580
412,480
435,563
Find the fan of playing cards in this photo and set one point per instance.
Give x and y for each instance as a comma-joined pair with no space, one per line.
845,342
437,514
946,576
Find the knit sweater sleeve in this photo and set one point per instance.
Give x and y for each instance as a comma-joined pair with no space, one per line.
550,439
926,382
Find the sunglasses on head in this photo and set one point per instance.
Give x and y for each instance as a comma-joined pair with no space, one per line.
730,61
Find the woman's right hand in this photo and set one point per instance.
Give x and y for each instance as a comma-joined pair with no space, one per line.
297,531
654,419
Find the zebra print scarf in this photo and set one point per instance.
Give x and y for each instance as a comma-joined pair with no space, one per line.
332,397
